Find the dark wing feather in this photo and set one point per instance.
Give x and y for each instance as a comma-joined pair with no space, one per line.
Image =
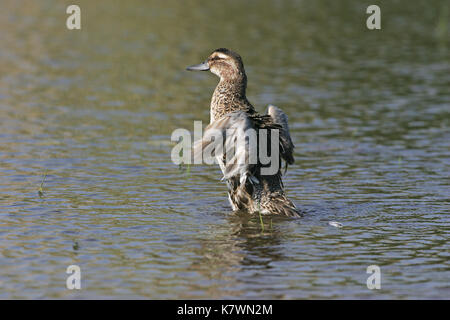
287,147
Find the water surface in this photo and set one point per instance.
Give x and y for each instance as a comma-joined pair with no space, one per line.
93,111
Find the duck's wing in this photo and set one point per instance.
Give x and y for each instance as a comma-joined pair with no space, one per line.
287,147
235,157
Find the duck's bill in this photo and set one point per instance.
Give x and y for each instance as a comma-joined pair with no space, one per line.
199,67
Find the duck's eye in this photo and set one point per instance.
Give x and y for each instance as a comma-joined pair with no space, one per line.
216,58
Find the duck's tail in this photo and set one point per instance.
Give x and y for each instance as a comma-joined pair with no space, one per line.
280,205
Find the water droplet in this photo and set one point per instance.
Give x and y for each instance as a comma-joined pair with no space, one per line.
335,224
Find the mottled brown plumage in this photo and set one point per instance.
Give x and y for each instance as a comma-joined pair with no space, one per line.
248,188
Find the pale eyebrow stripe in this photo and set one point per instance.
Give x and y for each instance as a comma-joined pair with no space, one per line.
221,55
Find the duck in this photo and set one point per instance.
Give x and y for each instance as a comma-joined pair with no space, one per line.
250,187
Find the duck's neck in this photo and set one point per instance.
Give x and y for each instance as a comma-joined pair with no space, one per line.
229,96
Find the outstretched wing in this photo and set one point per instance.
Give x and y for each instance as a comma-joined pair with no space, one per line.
287,147
231,131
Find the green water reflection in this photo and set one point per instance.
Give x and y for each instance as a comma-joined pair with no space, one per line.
95,108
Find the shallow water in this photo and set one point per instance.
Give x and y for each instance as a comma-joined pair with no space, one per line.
94,109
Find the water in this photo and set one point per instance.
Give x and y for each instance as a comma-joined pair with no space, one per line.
94,109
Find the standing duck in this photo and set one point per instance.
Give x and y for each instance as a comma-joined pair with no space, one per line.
249,188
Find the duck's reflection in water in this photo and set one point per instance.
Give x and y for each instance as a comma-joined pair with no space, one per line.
235,256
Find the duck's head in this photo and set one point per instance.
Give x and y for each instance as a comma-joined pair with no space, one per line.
224,63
